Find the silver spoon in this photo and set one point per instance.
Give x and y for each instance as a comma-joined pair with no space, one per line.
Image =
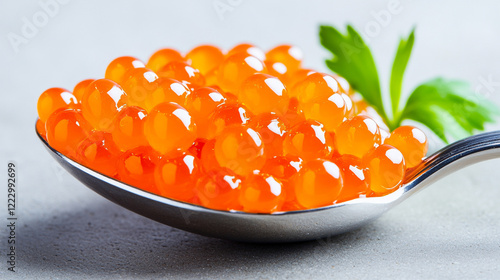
284,226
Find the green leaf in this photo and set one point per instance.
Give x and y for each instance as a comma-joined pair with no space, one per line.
398,70
353,61
448,106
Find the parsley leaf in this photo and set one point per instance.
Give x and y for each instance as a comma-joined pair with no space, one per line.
453,104
398,69
353,60
448,107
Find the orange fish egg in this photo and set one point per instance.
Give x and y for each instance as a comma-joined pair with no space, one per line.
411,141
205,58
103,99
237,68
98,152
219,190
183,72
169,128
208,160
66,128
40,128
294,114
128,128
140,84
247,49
197,147
175,177
230,98
294,77
387,169
329,111
136,167
53,99
201,104
356,177
316,86
240,149
261,193
80,88
290,56
277,69
119,67
226,115
272,129
284,168
308,140
211,77
169,90
318,183
163,57
263,93
349,106
357,136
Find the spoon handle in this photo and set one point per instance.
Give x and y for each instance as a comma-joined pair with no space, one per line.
452,158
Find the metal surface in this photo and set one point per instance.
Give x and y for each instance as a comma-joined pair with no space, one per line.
284,226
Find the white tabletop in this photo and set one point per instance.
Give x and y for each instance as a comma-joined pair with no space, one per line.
65,230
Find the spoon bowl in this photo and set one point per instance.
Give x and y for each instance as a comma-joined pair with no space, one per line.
289,226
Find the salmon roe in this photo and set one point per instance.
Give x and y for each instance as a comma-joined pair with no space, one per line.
261,193
411,141
247,49
316,86
65,129
170,90
118,69
201,104
225,115
290,56
356,177
240,149
272,129
237,68
318,183
80,88
183,72
140,84
53,99
284,168
208,160
357,136
238,131
98,152
176,177
219,190
169,128
387,168
263,93
292,78
163,57
308,140
128,128
136,167
205,58
103,99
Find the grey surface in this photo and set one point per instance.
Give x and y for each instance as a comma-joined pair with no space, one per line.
449,230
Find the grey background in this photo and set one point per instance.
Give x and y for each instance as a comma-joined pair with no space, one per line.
450,230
